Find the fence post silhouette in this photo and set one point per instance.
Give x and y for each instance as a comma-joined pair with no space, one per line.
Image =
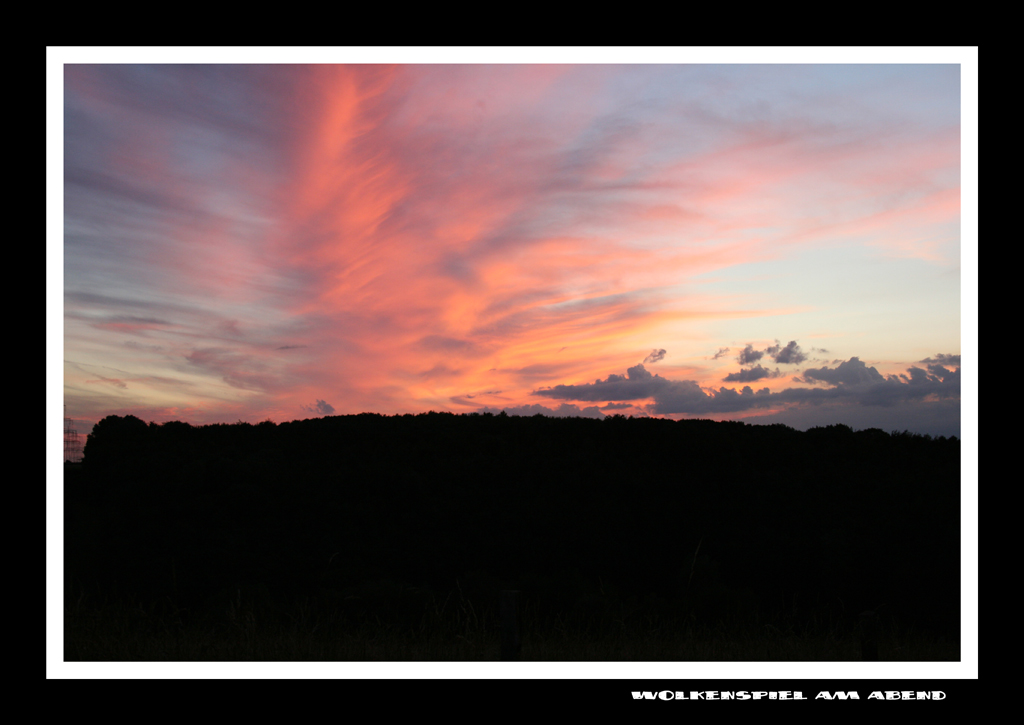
510,642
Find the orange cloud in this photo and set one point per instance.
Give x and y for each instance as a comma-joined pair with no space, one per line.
398,238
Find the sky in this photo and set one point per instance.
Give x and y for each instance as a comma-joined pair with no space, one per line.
767,235
766,242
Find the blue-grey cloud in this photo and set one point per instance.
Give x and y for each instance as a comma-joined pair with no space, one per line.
943,359
749,375
851,372
452,345
636,384
937,418
721,351
565,410
791,354
322,407
440,371
670,396
686,396
850,382
749,355
234,367
468,397
486,392
943,374
116,382
655,356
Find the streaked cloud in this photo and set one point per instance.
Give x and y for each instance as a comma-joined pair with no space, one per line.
242,239
943,359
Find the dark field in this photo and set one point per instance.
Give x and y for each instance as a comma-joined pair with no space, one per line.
391,538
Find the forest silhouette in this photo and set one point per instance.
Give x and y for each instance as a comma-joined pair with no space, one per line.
377,518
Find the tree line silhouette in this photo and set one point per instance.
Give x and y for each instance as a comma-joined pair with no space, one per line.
718,522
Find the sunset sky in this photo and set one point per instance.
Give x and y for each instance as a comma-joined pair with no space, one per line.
766,242
767,235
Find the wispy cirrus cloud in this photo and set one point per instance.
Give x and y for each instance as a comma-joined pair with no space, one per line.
388,237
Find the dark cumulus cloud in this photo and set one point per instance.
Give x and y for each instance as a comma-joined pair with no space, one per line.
670,396
655,356
852,381
791,354
636,384
749,375
851,372
942,359
854,372
749,355
941,373
856,381
933,374
788,355
322,407
721,351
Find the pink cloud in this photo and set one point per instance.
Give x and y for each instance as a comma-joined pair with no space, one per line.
394,238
